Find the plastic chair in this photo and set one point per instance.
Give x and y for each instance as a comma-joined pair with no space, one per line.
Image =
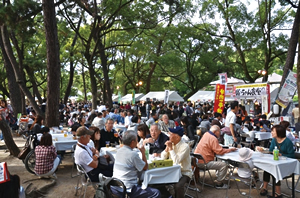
85,180
194,164
247,181
204,169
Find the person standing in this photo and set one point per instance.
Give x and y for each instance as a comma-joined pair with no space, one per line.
295,113
229,129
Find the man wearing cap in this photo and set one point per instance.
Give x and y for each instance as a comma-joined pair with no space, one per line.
208,147
87,156
179,152
156,139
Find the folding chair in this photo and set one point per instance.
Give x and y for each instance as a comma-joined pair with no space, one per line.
197,140
245,143
85,181
297,156
194,164
204,169
74,165
247,181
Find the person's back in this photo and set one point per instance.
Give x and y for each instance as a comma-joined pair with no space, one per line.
245,156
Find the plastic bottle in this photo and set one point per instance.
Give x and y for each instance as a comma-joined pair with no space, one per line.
147,151
275,153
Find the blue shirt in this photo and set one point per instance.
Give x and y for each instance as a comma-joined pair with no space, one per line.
285,148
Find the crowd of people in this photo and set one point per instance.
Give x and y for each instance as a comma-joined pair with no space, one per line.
168,130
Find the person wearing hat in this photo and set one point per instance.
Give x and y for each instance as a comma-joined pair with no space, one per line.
179,152
208,147
87,156
245,156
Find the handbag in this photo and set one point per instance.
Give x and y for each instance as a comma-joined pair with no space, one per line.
23,153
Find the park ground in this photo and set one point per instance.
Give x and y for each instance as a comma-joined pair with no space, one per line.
65,185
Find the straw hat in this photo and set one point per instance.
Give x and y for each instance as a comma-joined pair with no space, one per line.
245,154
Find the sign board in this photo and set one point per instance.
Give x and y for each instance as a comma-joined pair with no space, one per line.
166,98
223,78
219,98
288,89
251,90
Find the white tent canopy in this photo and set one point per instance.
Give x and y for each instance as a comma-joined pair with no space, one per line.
230,80
160,95
272,79
128,97
115,98
203,96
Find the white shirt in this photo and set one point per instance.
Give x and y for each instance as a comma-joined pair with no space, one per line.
128,120
98,122
83,156
291,137
246,173
230,119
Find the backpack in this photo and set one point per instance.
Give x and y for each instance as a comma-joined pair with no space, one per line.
104,188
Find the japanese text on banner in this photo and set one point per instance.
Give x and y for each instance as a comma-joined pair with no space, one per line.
219,98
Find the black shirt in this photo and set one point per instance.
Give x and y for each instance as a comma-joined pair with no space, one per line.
108,136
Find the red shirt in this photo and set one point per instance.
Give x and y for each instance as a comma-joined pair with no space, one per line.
44,158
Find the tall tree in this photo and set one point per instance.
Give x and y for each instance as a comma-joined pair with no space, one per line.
53,64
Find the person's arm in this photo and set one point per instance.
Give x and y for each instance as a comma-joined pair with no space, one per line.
232,132
142,149
178,157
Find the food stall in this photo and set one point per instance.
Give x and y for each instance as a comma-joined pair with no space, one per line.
249,94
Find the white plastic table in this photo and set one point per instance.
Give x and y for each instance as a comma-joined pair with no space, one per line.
62,143
278,169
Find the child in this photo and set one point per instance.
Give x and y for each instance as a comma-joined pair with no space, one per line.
245,156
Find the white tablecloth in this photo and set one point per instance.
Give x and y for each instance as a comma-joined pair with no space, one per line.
263,135
279,169
164,175
63,143
154,176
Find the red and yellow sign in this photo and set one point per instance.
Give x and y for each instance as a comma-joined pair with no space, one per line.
219,98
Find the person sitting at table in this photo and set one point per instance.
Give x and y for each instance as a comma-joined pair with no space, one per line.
245,156
143,131
127,165
289,134
95,138
165,124
179,152
247,126
107,134
134,123
156,139
208,147
152,119
46,159
87,156
37,124
99,121
265,121
188,128
285,147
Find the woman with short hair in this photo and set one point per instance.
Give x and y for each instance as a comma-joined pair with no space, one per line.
285,147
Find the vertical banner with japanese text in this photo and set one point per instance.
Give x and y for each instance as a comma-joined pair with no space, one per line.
219,98
166,98
288,90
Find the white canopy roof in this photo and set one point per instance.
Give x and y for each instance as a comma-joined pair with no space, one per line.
230,80
128,97
272,79
159,95
115,98
203,95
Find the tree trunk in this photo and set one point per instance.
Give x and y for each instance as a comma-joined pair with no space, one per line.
105,70
84,84
19,74
8,139
53,64
71,72
290,58
13,86
93,86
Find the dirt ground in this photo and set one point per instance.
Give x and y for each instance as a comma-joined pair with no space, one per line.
65,185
